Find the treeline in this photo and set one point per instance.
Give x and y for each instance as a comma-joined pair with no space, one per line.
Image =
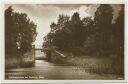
93,36
20,33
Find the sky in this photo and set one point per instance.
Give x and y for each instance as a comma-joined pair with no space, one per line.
44,14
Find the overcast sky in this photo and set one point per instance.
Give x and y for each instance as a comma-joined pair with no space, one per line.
44,14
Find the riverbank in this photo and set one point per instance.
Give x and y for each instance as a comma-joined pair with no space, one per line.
99,65
14,61
11,62
92,64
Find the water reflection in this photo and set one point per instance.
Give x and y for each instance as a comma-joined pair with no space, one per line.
39,63
39,55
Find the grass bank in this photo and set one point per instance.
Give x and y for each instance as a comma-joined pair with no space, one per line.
11,62
14,61
100,65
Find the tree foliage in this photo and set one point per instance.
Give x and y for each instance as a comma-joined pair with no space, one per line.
95,35
10,32
119,31
66,34
103,26
20,32
119,35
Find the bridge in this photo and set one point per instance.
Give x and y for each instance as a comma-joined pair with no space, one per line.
51,54
38,49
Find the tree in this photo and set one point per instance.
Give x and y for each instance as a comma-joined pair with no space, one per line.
20,32
66,34
103,25
119,41
88,25
10,32
77,29
59,33
88,45
26,32
119,32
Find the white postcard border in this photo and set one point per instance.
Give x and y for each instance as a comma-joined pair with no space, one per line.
3,2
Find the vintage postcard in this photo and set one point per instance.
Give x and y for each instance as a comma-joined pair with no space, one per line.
63,41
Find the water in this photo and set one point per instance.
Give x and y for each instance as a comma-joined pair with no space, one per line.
39,54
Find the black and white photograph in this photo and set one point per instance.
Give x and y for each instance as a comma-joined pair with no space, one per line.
64,41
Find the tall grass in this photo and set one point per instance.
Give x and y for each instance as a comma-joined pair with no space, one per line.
100,65
11,62
14,61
